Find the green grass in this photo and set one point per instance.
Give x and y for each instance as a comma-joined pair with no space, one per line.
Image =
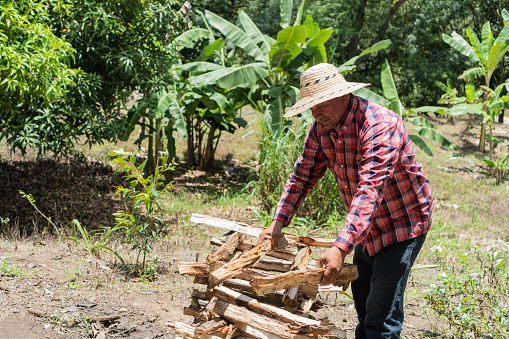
12,270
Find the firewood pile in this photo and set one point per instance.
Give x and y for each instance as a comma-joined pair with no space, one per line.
248,295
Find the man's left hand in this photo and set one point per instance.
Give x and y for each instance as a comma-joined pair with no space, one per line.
333,260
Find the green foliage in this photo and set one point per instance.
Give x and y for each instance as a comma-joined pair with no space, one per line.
34,79
499,167
277,156
31,200
392,101
11,270
473,294
486,54
143,195
87,241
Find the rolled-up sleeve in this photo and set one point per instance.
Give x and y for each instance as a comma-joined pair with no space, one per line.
309,168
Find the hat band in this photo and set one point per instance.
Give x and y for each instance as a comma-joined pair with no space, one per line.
320,98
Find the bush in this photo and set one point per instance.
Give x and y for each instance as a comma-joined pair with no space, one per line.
473,296
277,156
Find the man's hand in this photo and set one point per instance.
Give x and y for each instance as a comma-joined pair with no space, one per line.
273,232
333,260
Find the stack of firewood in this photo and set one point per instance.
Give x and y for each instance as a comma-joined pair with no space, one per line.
248,295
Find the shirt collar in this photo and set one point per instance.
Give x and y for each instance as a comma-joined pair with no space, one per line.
347,118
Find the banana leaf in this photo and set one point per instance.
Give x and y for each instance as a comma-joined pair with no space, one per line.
243,76
434,135
457,42
237,36
421,143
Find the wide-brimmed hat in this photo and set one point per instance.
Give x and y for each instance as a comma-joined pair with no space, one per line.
320,83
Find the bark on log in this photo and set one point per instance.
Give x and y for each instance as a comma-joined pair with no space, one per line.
262,285
279,254
241,264
225,249
238,314
199,268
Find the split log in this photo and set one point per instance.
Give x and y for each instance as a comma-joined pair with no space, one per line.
240,299
196,294
239,314
241,264
256,230
306,325
226,248
188,331
281,281
199,268
245,246
300,263
202,315
273,265
306,305
210,326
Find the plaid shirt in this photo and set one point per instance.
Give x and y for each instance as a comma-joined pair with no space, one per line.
384,189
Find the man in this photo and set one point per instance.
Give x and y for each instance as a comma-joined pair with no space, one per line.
366,146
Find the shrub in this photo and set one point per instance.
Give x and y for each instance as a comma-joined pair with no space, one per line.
473,295
277,156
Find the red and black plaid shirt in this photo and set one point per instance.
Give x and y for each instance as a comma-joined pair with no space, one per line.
384,189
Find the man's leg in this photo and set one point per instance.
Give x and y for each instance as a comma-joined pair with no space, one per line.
382,314
361,287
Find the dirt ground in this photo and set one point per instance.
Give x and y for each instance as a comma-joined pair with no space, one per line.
60,287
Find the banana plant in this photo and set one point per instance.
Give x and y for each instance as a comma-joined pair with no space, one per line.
391,101
486,53
164,116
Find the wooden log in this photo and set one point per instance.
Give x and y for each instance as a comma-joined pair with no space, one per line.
199,268
306,325
202,315
225,249
239,314
256,230
210,326
300,263
245,261
196,294
273,265
234,297
306,304
263,285
194,268
201,279
188,331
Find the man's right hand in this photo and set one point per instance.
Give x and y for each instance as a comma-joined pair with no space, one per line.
273,232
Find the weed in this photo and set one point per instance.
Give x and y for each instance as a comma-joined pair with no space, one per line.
87,242
473,296
11,270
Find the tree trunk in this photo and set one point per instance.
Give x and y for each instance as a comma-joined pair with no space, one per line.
190,141
208,156
381,32
359,18
150,167
502,80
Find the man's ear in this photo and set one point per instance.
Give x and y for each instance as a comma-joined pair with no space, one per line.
345,98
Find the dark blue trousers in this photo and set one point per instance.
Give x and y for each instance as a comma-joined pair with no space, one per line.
378,292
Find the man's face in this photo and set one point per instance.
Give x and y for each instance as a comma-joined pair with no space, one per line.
329,113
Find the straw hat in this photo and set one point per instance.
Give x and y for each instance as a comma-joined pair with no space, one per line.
320,83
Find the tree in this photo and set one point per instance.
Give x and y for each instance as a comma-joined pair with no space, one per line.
35,75
486,54
127,45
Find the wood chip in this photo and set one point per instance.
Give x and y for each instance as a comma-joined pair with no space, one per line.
36,312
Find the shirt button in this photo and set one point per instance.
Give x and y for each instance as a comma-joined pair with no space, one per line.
340,142
344,127
346,186
342,165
